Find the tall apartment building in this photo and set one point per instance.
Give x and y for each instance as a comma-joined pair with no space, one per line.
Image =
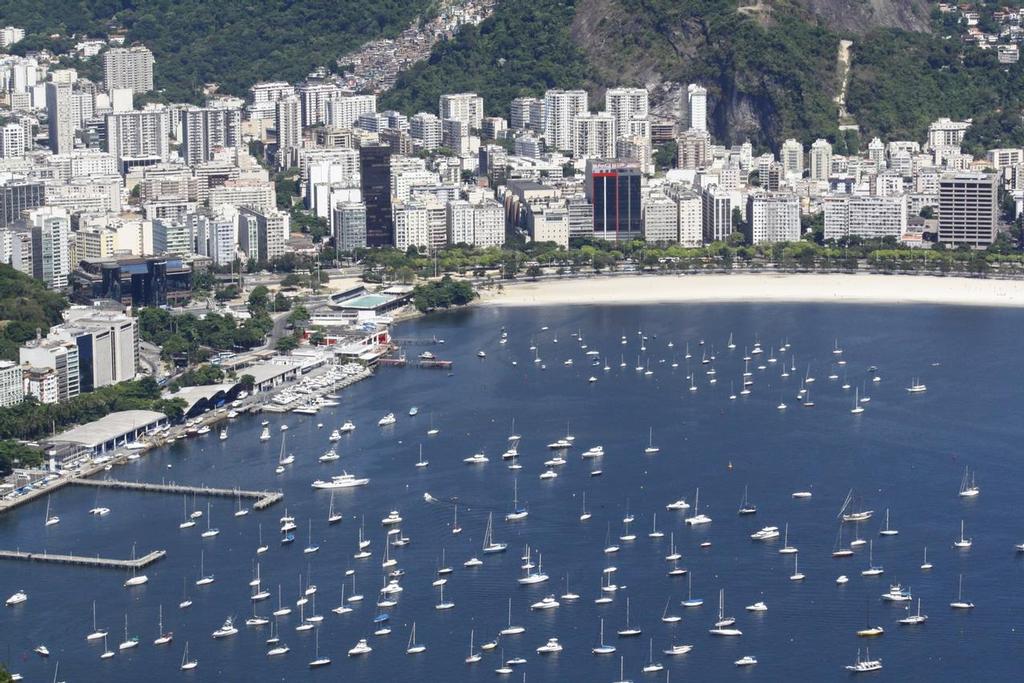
481,225
344,109
773,218
12,386
215,237
691,218
697,101
594,136
870,217
694,149
128,68
203,130
350,226
412,226
717,213
139,134
455,136
108,346
946,133
526,113
56,355
614,190
625,104
288,122
561,107
375,180
173,236
821,160
314,96
792,157
271,231
270,91
467,107
968,208
12,140
61,116
425,128
51,244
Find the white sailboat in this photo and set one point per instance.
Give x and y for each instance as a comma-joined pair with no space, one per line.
652,666
414,648
210,531
697,518
925,564
857,407
914,619
603,648
962,543
511,630
968,489
691,601
628,630
723,627
128,643
203,579
96,633
163,637
473,656
960,603
489,544
887,531
318,661
50,520
584,514
786,548
651,448
189,521
186,663
872,570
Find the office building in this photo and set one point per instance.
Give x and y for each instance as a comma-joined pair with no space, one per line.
613,187
60,114
18,195
467,107
108,345
134,281
215,237
128,68
350,226
561,107
717,213
697,101
375,182
773,218
57,355
594,136
173,237
968,208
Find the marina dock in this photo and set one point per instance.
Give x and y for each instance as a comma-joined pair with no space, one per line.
102,562
264,499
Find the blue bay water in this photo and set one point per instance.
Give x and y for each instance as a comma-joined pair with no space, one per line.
906,452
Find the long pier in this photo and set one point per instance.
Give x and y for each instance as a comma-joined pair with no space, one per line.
264,499
81,560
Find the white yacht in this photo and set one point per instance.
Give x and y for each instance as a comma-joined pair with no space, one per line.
360,648
864,665
21,596
227,629
550,647
341,481
388,419
746,660
766,533
548,602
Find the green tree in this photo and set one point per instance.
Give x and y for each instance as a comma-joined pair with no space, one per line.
259,299
286,344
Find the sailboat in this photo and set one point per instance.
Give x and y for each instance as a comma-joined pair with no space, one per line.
186,663
968,489
857,407
107,652
914,619
489,545
442,604
189,522
926,565
622,675
651,448
511,630
654,533
960,603
786,548
332,516
210,531
518,512
796,576
872,570
669,618
50,520
838,550
414,648
887,531
135,579
310,548
723,627
456,529
163,637
869,631
265,432
128,643
421,462
691,601
317,659
473,656
652,666
746,507
203,579
281,609
628,630
697,517
185,600
584,515
603,648
96,633
962,543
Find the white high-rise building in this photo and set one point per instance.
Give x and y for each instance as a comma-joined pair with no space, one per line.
691,219
717,213
12,140
660,219
350,226
876,153
61,116
455,136
947,133
697,99
203,130
57,355
412,226
12,387
314,96
773,218
625,104
426,128
821,160
522,113
344,109
467,107
792,157
594,136
480,225
270,91
561,107
288,121
51,244
130,67
139,134
215,237
865,216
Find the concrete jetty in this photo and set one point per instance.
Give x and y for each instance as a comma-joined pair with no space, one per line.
81,560
264,499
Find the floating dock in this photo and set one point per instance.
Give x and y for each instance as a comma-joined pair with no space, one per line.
264,499
102,562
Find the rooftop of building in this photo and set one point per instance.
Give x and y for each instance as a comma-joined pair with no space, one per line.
108,428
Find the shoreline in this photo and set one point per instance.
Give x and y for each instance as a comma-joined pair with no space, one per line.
860,288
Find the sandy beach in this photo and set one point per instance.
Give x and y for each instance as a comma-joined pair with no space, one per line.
763,287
